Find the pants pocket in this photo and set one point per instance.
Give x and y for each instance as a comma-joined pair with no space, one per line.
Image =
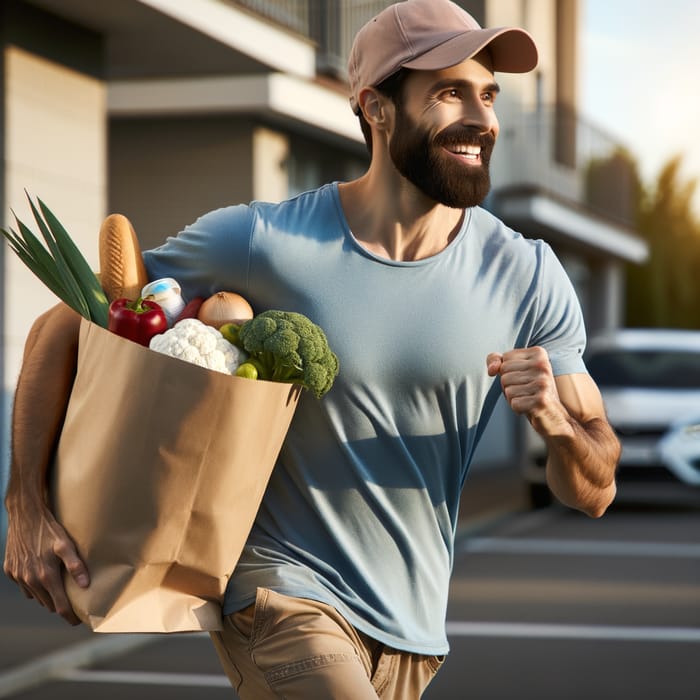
235,639
305,649
435,662
227,663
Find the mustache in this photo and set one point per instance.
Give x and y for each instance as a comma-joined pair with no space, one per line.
460,135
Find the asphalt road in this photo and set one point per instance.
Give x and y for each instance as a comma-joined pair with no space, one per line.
552,605
544,605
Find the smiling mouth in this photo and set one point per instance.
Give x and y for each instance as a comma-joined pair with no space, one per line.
468,153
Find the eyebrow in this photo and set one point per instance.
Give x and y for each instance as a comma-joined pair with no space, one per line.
449,83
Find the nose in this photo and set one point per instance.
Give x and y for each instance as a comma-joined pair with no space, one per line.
479,115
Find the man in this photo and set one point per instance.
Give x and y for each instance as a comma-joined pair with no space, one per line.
433,307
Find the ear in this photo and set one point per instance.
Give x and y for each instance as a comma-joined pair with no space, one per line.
374,107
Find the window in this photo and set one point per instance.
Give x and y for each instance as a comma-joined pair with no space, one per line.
645,369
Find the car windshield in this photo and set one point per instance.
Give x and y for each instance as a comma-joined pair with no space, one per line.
645,369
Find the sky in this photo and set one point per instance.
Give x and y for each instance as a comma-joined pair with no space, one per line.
640,79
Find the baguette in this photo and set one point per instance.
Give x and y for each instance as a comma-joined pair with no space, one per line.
122,270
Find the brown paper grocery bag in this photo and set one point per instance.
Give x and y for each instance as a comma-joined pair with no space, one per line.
160,469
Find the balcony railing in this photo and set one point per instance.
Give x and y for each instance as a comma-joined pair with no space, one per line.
293,14
332,24
554,149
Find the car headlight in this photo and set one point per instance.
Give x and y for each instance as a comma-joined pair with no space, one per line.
691,432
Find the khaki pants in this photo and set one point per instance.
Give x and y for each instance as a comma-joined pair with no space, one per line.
298,649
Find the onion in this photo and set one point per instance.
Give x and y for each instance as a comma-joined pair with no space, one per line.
224,307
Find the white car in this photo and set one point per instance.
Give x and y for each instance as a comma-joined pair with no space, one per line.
679,450
650,380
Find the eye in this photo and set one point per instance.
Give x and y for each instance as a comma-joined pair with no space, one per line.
488,97
451,95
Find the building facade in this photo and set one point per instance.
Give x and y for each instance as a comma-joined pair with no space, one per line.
165,109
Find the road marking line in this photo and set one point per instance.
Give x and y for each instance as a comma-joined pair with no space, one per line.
38,671
195,680
616,548
575,632
531,520
479,526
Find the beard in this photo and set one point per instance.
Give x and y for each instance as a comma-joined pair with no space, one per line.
420,158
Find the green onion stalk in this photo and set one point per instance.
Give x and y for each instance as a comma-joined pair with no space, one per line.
59,264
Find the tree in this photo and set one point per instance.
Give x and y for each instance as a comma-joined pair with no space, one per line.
665,291
613,186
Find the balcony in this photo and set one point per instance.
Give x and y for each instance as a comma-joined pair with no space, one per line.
332,24
554,150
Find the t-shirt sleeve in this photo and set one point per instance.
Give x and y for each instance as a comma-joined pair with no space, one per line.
210,255
559,326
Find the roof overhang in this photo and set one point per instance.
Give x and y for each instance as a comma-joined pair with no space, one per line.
538,215
159,38
298,103
241,31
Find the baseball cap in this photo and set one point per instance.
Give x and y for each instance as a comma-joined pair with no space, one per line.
430,35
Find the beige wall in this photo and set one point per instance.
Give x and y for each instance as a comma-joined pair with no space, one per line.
567,26
55,145
538,17
270,173
164,172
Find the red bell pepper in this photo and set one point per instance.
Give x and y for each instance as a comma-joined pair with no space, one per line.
137,320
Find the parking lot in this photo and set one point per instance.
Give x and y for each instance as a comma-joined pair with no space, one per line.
550,604
544,605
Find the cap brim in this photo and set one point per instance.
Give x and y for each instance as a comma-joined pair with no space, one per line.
512,50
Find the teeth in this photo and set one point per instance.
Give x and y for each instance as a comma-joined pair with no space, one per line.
467,150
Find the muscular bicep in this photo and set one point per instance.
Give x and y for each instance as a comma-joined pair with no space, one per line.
581,396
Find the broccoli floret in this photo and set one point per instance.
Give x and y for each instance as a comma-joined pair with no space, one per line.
286,346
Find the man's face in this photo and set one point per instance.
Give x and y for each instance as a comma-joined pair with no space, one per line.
444,133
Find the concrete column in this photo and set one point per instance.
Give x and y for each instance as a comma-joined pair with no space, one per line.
53,145
607,300
55,148
270,155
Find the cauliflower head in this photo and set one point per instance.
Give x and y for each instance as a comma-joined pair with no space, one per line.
193,341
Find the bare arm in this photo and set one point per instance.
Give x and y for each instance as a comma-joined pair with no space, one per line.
583,454
37,547
569,414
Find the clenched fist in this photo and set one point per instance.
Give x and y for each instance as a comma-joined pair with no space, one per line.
529,387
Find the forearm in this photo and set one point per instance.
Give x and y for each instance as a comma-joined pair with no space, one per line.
567,411
41,398
581,465
38,550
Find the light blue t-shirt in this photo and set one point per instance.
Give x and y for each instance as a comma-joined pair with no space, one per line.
361,509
